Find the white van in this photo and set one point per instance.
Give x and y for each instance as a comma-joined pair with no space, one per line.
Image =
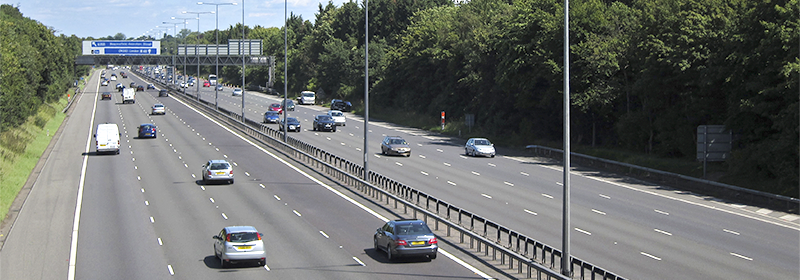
128,95
106,138
306,97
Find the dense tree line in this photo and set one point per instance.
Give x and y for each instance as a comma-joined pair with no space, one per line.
644,73
36,66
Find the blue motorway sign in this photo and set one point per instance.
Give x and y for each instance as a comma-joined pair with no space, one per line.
130,51
122,44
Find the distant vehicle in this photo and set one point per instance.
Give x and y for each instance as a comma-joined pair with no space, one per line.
395,145
124,75
275,107
119,85
206,84
324,123
140,88
113,77
147,130
158,109
220,88
105,95
294,125
239,244
271,117
106,138
128,95
163,93
104,83
217,170
236,92
151,86
120,88
288,105
341,105
338,117
133,85
212,79
306,97
479,147
406,238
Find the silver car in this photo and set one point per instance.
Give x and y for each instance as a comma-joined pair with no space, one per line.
479,147
239,244
159,109
406,238
395,145
218,170
338,117
236,92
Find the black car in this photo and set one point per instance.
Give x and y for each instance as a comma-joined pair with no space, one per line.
324,123
133,85
163,93
147,130
294,125
406,238
105,95
341,105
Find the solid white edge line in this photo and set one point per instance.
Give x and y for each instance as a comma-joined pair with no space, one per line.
73,247
329,188
359,261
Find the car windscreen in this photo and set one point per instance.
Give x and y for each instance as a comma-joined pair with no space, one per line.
271,113
292,120
482,142
308,94
324,118
336,114
397,141
219,166
243,236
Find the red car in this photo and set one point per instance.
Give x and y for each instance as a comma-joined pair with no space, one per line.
275,107
140,88
206,84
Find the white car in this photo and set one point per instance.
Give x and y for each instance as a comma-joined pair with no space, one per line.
239,244
237,92
113,78
479,147
338,117
159,109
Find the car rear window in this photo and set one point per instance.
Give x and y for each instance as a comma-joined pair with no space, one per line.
336,114
413,229
243,236
219,166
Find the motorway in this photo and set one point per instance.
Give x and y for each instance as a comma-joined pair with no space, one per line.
635,229
143,214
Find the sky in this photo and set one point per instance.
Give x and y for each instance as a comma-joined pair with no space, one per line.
134,18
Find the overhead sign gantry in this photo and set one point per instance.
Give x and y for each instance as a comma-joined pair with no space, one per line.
119,47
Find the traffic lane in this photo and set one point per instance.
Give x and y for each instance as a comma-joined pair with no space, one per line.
49,207
113,223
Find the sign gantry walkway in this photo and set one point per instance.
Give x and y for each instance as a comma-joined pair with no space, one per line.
167,60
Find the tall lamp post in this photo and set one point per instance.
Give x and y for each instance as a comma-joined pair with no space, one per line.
366,90
241,45
197,85
174,36
566,259
216,60
285,63
185,21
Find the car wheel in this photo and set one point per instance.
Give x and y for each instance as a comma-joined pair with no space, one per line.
492,156
383,152
466,151
231,182
389,253
222,263
409,154
375,242
433,257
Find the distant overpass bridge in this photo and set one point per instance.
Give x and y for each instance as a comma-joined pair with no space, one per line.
168,60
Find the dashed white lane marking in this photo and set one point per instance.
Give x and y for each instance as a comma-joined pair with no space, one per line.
662,232
235,164
262,186
525,174
171,272
790,217
583,231
424,173
359,261
598,212
476,173
446,164
730,231
661,212
508,183
202,188
559,183
247,174
224,216
492,164
152,220
530,212
421,156
741,256
486,196
225,156
343,144
604,196
764,211
651,256
464,157
547,196
323,234
142,190
193,176
451,183
212,199
297,213
146,203
439,150
400,164
138,178
160,243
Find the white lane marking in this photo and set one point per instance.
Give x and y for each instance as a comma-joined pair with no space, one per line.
247,174
276,197
598,212
486,196
343,144
508,183
133,159
451,183
651,256
530,212
142,190
160,243
525,174
193,177
358,149
225,156
235,164
421,156
730,231
559,183
186,165
138,178
661,231
297,213
146,203
439,150
446,164
323,234
351,134
152,221
583,231
547,196
400,164
492,164
741,256
135,167
262,186
476,173
424,173
359,261
171,272
604,196
224,216
661,212
202,188
212,199
329,188
464,157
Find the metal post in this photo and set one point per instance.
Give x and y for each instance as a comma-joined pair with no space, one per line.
242,48
366,90
285,61
566,268
197,50
705,149
216,58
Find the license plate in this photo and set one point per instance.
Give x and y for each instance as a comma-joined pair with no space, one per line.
417,242
220,173
245,247
102,145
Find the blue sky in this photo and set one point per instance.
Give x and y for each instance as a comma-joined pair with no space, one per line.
133,18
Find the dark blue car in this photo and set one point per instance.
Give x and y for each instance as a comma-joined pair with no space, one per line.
271,117
147,130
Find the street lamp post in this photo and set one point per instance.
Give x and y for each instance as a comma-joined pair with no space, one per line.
366,90
285,63
196,52
185,21
216,52
241,45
